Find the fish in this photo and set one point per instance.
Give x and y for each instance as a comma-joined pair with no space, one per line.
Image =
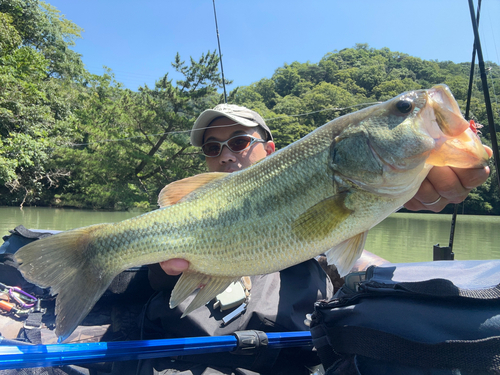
319,195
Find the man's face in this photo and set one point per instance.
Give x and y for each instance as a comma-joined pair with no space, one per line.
221,130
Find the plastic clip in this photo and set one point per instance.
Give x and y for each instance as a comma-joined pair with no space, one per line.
233,296
233,315
250,341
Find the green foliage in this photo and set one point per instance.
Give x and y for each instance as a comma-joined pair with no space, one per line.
26,119
136,142
70,138
302,96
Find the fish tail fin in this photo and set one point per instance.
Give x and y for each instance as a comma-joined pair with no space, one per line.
209,287
64,263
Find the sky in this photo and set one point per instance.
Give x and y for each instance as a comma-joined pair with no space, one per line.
138,40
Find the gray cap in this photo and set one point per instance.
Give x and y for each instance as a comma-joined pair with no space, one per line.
238,114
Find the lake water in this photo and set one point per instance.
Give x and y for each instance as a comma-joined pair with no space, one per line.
402,237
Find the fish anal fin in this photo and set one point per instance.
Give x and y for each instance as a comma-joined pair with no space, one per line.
346,253
209,287
322,218
172,193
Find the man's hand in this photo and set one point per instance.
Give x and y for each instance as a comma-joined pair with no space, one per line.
451,184
174,267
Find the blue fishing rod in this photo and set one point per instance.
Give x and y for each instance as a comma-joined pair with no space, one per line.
14,354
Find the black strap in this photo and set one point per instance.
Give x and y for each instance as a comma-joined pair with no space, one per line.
322,345
471,355
26,233
445,288
32,327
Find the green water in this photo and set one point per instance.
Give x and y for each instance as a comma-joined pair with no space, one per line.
409,237
402,237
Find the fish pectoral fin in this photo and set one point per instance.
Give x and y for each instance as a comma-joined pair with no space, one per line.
209,287
172,193
322,218
346,253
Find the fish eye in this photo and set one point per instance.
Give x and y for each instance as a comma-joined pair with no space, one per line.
404,106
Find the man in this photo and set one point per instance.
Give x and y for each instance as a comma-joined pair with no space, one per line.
233,138
443,185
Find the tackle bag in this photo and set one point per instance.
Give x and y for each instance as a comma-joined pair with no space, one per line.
417,318
131,283
113,317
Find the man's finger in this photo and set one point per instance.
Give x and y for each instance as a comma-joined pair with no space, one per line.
472,178
174,267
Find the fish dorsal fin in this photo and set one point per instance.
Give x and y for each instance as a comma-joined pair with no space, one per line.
346,253
174,192
209,287
322,218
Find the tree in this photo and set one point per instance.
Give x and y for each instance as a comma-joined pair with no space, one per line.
327,102
135,143
285,79
43,29
70,138
27,115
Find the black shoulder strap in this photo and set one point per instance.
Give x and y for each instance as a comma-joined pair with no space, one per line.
471,355
445,288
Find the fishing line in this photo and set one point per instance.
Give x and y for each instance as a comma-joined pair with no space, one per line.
471,76
321,110
493,36
218,126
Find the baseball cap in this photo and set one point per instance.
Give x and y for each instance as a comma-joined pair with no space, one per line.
238,114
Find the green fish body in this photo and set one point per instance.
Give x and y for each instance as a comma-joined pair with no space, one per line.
319,195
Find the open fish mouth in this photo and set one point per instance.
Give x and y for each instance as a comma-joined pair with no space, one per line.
448,115
456,144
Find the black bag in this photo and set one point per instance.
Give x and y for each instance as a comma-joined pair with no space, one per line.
418,318
130,284
113,318
279,302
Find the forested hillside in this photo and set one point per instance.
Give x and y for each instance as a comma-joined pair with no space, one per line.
71,138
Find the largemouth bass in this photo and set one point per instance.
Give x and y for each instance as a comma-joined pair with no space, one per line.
320,194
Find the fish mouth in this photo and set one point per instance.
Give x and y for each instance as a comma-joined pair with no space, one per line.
448,115
456,144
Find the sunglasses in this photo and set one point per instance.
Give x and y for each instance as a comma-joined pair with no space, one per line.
237,143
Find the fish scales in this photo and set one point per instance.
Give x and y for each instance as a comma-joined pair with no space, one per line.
243,244
319,195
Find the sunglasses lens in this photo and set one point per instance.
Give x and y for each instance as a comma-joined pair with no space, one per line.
239,143
211,149
235,144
